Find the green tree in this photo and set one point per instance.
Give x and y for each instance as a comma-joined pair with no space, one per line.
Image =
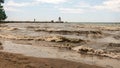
2,15
2,12
1,1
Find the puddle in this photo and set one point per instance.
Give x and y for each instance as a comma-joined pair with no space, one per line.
51,52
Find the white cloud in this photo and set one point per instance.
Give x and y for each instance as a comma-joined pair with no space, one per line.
71,10
81,7
78,8
52,1
83,4
111,5
11,5
12,9
15,4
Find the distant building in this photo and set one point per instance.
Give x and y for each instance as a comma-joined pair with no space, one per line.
52,21
34,20
60,20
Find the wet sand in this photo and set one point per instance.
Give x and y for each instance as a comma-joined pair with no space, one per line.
98,43
8,60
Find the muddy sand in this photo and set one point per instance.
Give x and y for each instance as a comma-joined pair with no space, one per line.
66,45
8,60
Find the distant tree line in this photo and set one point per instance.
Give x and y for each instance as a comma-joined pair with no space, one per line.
2,11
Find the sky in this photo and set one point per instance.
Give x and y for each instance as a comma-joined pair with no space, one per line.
68,10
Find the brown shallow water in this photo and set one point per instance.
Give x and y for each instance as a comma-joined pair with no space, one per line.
51,52
45,41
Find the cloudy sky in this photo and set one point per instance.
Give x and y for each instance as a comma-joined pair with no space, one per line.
69,10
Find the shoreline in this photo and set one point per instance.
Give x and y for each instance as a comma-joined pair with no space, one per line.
20,61
59,22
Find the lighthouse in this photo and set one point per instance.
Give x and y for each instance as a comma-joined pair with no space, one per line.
60,20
